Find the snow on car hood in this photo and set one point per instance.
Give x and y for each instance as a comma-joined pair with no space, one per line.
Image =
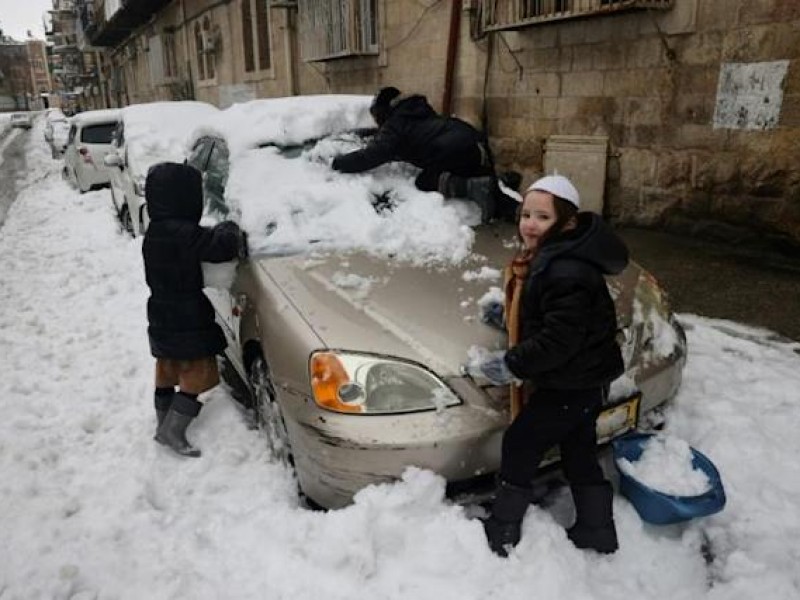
428,314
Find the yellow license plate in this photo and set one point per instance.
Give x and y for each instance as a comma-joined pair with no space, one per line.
618,419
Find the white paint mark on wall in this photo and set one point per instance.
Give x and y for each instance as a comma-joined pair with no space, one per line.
749,95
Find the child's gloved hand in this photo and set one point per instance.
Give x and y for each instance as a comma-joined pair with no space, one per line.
491,366
493,313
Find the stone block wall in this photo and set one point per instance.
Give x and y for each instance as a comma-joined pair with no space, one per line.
650,81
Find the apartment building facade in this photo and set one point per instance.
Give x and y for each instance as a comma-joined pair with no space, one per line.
680,113
24,75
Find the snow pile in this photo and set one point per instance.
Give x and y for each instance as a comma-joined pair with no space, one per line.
5,121
159,131
665,465
483,274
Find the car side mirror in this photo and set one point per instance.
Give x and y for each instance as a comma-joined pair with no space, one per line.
112,159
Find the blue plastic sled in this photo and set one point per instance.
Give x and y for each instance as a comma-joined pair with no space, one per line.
659,508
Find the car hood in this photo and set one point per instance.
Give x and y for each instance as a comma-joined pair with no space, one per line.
426,314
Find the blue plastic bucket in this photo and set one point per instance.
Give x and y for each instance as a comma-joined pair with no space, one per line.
659,508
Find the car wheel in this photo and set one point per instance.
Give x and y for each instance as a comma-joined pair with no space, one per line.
78,183
268,415
125,219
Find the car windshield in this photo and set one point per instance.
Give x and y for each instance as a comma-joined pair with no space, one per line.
293,202
98,134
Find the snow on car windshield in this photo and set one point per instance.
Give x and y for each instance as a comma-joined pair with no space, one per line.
295,203
159,131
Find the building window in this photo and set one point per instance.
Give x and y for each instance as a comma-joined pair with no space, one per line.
255,30
515,14
337,28
205,48
198,43
170,57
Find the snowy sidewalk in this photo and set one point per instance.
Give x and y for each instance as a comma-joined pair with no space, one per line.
92,508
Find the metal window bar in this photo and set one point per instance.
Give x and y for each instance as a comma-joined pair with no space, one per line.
515,14
337,28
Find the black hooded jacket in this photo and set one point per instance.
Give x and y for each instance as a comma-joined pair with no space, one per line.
413,132
180,317
567,317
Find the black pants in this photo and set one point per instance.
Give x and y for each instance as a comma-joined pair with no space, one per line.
567,418
467,162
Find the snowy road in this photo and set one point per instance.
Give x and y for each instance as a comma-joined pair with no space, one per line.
91,508
12,163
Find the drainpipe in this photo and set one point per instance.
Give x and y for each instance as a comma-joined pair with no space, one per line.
289,32
452,52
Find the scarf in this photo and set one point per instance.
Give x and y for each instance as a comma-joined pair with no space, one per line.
514,277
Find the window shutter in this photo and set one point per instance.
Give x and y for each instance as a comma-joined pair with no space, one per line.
155,58
262,31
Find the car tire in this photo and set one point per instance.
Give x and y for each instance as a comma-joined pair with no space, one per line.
125,219
78,183
267,412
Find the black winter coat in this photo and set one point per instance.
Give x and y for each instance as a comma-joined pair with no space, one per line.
567,317
414,133
180,317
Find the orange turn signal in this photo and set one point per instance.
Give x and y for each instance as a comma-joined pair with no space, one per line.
327,376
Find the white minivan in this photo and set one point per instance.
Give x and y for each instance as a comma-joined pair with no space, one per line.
88,142
147,134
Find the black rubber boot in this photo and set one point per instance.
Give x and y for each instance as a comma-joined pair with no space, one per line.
452,186
172,431
481,190
503,527
594,523
163,400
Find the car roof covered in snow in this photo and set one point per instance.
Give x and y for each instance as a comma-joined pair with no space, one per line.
95,117
287,121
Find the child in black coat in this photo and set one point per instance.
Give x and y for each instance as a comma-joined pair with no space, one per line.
562,328
184,337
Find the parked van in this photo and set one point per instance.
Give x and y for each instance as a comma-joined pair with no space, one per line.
88,142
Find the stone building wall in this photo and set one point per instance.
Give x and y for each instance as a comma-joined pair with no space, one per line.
650,81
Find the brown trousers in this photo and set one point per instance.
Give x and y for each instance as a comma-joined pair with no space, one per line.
192,376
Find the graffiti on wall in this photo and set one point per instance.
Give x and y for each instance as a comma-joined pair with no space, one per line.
749,95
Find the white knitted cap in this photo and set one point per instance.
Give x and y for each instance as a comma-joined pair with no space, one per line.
558,185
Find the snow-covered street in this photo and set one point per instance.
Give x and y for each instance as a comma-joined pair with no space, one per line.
92,509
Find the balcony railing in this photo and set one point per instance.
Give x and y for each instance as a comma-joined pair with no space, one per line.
109,28
516,14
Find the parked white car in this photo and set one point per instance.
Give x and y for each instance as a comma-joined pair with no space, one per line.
147,134
56,131
88,142
22,119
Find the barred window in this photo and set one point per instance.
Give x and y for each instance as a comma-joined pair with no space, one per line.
515,14
338,28
255,30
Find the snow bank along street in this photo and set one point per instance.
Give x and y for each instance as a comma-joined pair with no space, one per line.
92,508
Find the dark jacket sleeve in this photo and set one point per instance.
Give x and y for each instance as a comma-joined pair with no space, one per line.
216,244
566,306
381,149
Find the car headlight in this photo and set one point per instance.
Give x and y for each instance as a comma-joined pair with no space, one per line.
355,383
